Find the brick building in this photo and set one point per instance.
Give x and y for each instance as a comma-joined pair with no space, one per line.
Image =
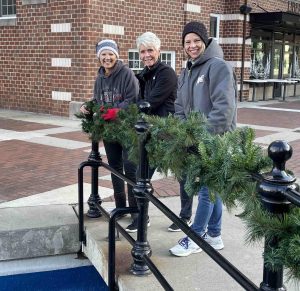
47,56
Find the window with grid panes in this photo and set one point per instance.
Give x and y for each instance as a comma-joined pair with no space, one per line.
214,26
134,62
7,7
137,65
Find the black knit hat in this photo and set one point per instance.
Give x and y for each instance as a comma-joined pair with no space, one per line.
195,27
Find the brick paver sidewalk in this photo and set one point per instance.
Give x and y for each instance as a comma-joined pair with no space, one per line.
39,156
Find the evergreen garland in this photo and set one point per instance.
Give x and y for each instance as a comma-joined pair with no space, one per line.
93,124
223,163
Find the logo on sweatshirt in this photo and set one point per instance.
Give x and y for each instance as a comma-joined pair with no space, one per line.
200,79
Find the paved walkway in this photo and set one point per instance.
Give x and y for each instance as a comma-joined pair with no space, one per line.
40,153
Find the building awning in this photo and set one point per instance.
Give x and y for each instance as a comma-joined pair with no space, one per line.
276,21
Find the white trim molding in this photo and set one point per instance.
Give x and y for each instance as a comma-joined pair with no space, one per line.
233,40
33,2
238,64
9,20
192,8
61,27
61,62
230,17
113,29
62,96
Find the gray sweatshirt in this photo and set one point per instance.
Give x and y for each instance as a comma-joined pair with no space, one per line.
119,89
208,86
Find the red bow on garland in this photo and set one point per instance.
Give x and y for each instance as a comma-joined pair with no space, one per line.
111,113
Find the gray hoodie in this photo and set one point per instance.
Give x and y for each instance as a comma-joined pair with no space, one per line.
208,86
119,89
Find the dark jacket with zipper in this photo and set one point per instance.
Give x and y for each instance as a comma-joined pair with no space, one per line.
158,86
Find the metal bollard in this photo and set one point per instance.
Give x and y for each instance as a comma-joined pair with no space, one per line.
93,212
273,200
141,247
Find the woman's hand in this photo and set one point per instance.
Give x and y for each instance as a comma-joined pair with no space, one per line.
84,110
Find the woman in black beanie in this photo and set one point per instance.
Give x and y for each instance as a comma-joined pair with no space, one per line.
212,83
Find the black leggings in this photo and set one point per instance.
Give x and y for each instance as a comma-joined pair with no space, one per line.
117,159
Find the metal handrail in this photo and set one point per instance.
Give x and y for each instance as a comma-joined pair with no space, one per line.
292,195
207,248
275,189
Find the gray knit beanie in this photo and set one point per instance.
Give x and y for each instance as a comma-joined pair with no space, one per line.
195,27
107,44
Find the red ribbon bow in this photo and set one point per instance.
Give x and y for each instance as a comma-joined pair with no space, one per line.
111,114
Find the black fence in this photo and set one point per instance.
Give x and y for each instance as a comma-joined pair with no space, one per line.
276,188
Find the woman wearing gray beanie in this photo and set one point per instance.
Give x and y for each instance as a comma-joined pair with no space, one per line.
117,87
207,85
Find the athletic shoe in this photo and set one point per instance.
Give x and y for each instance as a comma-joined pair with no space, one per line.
185,247
215,242
134,225
174,228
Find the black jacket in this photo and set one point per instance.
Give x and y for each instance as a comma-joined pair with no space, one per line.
158,86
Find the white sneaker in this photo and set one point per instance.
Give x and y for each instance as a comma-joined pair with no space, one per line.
215,242
185,247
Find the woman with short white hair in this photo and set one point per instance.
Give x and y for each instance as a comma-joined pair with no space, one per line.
158,85
158,81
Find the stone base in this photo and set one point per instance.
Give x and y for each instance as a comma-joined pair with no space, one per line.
29,232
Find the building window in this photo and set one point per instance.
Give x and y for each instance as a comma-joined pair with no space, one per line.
168,58
137,65
134,62
288,61
214,26
297,62
7,8
261,60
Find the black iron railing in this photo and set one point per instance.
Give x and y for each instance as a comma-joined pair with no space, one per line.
277,190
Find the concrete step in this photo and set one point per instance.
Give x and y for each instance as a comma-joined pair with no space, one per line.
195,272
37,231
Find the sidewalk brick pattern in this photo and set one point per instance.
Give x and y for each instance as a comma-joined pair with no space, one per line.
29,168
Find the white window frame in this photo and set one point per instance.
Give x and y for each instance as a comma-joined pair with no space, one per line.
172,53
5,16
140,64
140,67
217,36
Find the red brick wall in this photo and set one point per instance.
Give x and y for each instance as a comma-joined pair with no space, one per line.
27,78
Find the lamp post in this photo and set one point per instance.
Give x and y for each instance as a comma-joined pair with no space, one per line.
244,9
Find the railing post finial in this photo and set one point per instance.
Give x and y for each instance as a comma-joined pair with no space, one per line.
271,190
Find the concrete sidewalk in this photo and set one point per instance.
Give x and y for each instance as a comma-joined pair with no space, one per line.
40,155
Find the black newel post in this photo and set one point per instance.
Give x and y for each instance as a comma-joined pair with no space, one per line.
273,200
141,246
93,212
